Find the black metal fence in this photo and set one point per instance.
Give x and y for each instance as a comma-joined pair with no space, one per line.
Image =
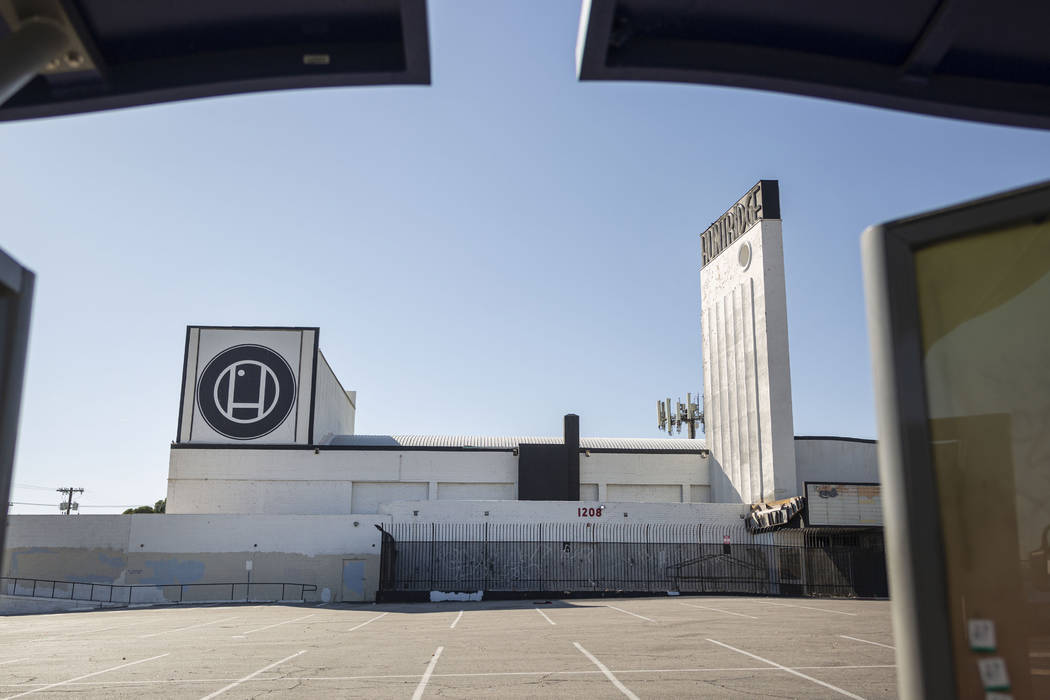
156,594
603,558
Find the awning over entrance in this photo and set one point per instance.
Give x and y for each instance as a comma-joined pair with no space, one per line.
102,54
967,59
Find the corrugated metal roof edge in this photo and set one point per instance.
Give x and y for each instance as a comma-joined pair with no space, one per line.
473,443
468,442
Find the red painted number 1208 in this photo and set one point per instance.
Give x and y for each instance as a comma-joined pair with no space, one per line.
589,512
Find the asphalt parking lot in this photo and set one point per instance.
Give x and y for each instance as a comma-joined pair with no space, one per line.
598,648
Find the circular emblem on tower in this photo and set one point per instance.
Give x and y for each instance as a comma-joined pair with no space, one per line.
743,256
246,392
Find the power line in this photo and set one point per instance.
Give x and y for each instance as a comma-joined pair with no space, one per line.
48,488
24,503
125,505
69,505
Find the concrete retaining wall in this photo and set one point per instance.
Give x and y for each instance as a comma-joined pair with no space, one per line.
176,549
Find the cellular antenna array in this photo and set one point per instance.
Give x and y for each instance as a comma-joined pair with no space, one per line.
687,413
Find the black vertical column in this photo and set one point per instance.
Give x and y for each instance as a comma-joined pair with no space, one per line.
572,450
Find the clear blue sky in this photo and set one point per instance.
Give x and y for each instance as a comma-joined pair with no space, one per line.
482,255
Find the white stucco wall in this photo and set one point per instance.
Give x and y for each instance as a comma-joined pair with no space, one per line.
101,531
271,496
645,493
699,494
836,460
626,472
290,534
726,514
747,381
449,491
368,495
338,481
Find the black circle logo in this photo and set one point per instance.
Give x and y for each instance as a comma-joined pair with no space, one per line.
246,391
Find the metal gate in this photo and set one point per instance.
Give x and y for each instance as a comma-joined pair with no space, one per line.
610,558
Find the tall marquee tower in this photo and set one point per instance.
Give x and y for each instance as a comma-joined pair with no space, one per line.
747,376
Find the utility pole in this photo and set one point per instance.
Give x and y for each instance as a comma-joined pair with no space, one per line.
69,506
688,413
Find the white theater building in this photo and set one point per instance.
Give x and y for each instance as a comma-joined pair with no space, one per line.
267,472
311,463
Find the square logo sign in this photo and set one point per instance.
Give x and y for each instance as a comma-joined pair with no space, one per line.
248,385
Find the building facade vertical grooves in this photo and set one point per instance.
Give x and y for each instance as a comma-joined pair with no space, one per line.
747,381
724,427
753,389
740,416
729,338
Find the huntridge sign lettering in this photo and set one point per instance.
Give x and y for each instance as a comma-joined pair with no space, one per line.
761,202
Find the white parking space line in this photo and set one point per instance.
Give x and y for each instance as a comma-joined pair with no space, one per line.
164,681
65,633
278,624
367,621
792,671
456,621
605,670
808,607
858,639
124,610
86,675
250,676
630,613
749,668
545,616
426,674
834,668
591,673
191,627
178,681
104,629
727,612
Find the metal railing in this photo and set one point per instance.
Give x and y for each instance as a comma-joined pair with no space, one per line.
150,593
639,558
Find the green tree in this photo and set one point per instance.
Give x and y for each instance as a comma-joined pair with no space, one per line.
157,507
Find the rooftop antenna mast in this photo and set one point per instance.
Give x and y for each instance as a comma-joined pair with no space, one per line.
688,414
